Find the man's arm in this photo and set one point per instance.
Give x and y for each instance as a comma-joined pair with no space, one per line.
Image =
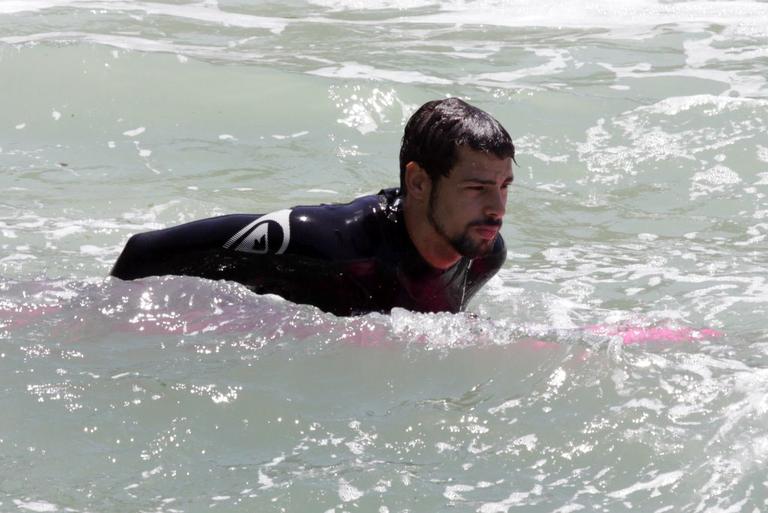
188,249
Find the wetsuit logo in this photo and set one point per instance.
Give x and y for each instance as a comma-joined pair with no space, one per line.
263,235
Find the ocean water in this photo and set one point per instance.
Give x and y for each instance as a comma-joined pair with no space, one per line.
618,362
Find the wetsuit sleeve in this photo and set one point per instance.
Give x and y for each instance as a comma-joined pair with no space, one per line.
250,248
321,255
194,249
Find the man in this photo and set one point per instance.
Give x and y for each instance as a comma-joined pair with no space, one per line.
428,246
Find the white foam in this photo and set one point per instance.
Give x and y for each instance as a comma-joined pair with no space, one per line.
512,403
17,257
569,508
136,131
66,231
677,104
741,17
134,43
660,481
38,506
355,447
557,379
205,12
715,179
322,191
514,499
702,52
751,383
354,70
452,492
290,136
614,149
597,13
762,153
343,5
528,441
17,6
718,175
556,61
265,481
646,403
443,446
743,82
347,492
560,256
96,251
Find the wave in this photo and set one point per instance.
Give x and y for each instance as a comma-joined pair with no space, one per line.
746,16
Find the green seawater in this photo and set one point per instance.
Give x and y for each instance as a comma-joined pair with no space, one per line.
639,202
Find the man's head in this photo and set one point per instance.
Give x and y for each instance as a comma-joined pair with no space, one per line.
435,132
456,166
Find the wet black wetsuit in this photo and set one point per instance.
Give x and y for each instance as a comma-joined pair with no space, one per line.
345,259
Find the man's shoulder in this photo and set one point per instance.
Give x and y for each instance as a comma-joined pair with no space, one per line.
370,204
352,230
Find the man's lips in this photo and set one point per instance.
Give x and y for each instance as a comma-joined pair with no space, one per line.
487,232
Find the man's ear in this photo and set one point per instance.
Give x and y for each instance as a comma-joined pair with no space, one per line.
417,182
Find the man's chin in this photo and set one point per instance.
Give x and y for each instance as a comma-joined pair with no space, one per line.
486,246
478,247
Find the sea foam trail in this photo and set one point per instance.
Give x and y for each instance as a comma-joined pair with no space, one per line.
165,306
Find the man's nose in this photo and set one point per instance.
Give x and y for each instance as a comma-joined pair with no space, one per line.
496,206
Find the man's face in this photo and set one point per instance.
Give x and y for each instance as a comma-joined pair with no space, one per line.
467,206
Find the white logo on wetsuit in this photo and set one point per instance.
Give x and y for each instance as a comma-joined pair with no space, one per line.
269,227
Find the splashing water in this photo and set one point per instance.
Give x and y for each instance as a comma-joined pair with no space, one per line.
617,362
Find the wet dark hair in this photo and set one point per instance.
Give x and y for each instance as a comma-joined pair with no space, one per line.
435,131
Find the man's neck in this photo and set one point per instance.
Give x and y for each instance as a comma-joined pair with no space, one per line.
432,246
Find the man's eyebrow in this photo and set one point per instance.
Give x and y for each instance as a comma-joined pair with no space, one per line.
486,181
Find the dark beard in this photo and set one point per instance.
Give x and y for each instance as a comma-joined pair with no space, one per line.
461,243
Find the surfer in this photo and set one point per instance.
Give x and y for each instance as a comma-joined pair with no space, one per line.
427,246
